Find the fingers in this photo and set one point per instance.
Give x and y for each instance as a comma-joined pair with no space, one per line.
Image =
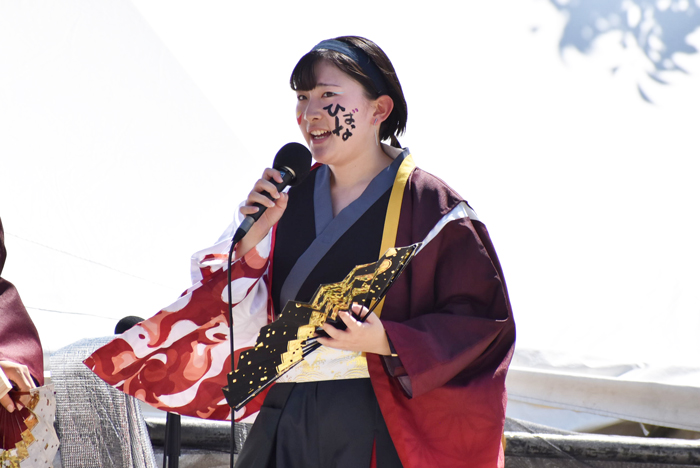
5,387
274,209
332,332
272,174
368,336
371,318
25,383
264,184
348,319
21,377
257,195
19,374
360,312
7,402
337,338
261,189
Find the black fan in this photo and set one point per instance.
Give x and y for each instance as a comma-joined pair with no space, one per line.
284,343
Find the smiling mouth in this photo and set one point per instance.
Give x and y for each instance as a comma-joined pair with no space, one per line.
319,135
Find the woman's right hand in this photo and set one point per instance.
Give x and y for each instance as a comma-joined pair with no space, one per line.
20,376
273,213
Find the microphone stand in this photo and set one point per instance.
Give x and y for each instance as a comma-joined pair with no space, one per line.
171,444
236,238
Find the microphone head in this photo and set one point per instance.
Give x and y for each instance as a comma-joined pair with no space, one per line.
297,158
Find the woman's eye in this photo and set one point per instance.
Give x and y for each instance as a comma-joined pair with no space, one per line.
329,94
301,97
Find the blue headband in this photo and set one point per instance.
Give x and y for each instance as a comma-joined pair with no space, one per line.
360,57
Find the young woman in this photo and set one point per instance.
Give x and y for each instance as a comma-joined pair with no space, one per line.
422,385
421,382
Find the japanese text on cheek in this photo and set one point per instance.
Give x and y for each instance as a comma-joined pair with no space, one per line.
349,121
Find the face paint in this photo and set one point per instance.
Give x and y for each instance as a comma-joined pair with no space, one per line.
333,113
350,121
338,128
299,114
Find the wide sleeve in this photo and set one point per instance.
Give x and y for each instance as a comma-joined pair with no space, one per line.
448,317
19,339
178,359
206,261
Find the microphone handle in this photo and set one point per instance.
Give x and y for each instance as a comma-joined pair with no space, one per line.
287,177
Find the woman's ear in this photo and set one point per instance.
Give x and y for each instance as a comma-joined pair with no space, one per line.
383,106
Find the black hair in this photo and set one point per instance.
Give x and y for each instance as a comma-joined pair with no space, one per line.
304,79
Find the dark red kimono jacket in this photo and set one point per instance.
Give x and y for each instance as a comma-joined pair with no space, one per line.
449,319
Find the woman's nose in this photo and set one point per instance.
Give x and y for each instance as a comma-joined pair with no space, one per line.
313,110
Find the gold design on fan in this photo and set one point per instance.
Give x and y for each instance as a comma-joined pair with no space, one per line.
386,264
27,436
283,344
317,319
332,298
292,356
33,402
31,421
22,452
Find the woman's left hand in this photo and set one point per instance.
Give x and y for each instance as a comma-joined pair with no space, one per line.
368,336
20,376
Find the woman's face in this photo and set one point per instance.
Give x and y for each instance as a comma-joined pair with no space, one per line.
335,117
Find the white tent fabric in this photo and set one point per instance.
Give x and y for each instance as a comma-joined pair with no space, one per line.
660,395
110,155
119,157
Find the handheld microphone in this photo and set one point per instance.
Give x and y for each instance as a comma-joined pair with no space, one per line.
293,161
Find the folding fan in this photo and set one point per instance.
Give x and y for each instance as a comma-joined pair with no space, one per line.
284,343
27,436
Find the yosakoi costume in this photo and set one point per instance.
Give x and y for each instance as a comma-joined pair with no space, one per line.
438,400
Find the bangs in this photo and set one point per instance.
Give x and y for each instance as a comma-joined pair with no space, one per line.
303,77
